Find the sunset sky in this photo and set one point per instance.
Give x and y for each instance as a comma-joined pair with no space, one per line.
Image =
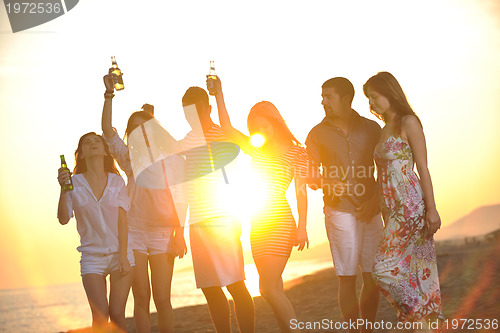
445,54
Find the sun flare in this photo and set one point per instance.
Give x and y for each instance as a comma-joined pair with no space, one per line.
257,140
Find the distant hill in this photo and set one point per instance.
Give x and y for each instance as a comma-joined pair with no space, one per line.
479,222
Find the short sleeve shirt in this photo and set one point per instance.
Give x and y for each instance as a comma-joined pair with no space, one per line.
97,220
346,157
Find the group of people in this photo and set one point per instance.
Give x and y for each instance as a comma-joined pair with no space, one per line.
136,230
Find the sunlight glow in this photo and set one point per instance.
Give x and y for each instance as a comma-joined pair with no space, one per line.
455,42
252,280
243,195
257,140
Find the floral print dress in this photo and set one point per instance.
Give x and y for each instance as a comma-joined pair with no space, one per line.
405,266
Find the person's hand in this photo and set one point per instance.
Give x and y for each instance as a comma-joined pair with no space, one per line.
109,82
63,176
180,243
432,221
124,265
217,85
302,239
334,187
368,210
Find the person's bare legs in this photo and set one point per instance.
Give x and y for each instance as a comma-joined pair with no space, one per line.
142,293
270,269
118,295
219,309
368,300
162,267
95,288
348,301
243,306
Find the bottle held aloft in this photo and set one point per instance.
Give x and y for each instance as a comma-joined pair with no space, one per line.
68,185
118,77
211,78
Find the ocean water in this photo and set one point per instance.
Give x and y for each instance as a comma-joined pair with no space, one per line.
59,308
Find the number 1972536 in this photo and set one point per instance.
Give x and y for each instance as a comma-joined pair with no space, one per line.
471,324
33,8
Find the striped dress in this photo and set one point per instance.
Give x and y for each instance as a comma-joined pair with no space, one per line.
273,230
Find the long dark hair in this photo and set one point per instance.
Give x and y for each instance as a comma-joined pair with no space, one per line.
386,85
145,115
81,165
268,111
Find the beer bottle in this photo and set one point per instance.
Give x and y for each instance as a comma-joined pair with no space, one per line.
118,78
68,185
211,77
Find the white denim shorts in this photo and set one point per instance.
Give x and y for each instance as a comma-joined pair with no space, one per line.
353,243
151,242
102,264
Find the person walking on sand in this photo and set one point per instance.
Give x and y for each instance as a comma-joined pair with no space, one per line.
214,231
405,265
156,217
342,144
99,203
274,231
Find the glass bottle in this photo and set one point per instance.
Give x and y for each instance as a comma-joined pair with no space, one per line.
68,185
211,77
118,78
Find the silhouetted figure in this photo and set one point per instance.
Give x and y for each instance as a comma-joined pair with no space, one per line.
214,231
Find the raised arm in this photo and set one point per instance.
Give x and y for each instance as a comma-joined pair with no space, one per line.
412,129
106,122
242,140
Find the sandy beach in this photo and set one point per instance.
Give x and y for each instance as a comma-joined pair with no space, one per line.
470,286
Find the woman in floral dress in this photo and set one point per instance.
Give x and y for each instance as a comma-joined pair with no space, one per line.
405,266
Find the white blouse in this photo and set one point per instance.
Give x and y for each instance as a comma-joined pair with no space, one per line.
97,220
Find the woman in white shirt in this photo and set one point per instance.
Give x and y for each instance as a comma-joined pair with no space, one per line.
99,202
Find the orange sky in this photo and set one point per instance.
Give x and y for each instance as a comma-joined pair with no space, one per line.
444,53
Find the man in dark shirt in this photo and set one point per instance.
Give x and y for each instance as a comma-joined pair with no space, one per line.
342,146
